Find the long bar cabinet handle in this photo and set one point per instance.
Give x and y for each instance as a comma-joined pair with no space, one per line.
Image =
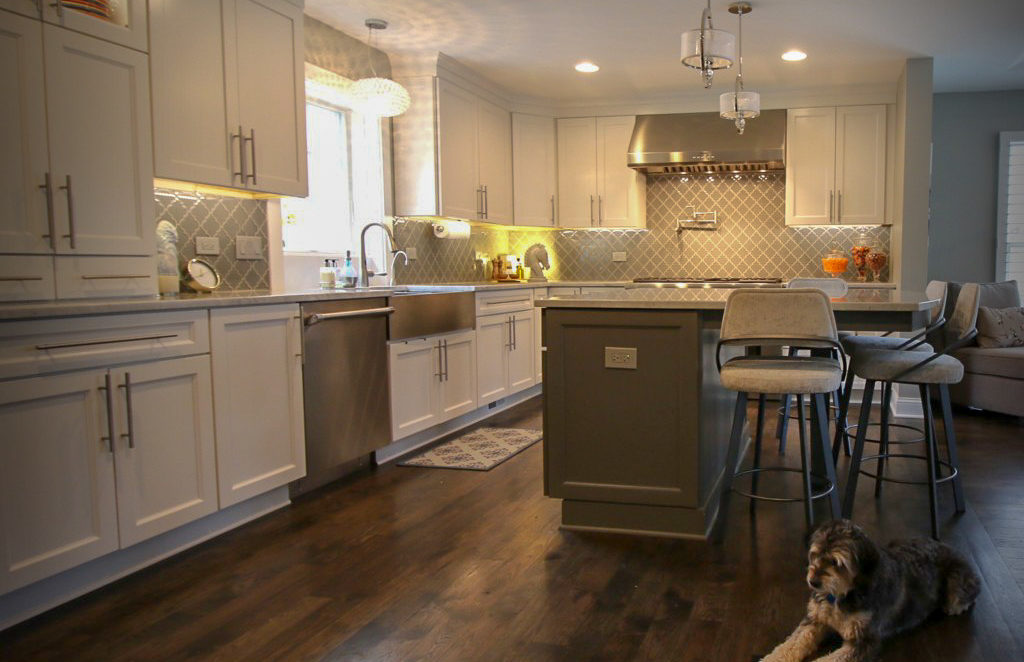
114,276
252,146
103,341
445,341
316,318
107,380
47,186
552,211
127,386
71,210
59,6
7,279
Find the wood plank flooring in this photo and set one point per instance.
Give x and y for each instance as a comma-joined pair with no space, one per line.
403,563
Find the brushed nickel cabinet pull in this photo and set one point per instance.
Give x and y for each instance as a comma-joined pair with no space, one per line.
445,341
440,371
240,173
114,276
19,278
839,207
241,156
600,210
515,335
552,210
71,210
316,318
487,204
252,146
127,386
60,8
103,341
47,186
591,210
110,412
831,202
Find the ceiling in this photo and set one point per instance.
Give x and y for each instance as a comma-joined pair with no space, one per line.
529,47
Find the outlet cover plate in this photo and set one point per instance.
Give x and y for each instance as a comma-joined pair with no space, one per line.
619,256
623,358
411,252
207,246
248,248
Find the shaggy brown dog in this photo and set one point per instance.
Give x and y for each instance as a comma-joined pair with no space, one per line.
866,593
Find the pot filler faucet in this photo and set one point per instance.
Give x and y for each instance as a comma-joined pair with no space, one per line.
364,274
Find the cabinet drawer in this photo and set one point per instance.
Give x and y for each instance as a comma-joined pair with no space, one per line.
26,277
41,346
488,303
91,277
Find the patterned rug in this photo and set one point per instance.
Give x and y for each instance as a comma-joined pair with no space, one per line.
479,450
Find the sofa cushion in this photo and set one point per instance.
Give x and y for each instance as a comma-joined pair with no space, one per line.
1000,361
1000,327
991,295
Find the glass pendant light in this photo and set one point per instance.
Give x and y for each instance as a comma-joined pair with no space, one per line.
377,96
740,105
707,49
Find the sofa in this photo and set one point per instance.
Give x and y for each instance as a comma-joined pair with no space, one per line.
993,376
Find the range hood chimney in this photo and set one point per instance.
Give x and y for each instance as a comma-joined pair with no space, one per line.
704,142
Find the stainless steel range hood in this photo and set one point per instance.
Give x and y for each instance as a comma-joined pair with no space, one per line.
704,142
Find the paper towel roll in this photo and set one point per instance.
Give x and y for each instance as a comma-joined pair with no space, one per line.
452,230
440,231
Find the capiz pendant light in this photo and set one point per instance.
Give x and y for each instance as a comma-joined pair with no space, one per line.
707,49
376,96
740,105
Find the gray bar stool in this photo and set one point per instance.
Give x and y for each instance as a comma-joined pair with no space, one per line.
926,371
852,345
794,317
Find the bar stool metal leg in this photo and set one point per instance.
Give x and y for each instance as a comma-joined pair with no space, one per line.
883,438
819,413
930,449
805,462
858,448
758,435
782,429
950,433
844,409
732,458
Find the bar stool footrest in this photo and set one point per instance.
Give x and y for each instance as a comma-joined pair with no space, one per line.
940,465
915,440
829,486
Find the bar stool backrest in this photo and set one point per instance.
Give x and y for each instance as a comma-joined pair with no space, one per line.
936,289
779,314
834,287
965,313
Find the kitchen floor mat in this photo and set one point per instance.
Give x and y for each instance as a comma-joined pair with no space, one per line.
479,450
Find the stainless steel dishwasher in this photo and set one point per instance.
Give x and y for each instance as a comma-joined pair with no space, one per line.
344,385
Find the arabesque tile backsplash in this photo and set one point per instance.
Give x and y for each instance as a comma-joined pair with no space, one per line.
749,240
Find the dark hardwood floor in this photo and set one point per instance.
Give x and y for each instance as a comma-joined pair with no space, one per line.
403,563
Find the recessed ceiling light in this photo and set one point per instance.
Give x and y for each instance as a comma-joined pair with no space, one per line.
794,56
587,67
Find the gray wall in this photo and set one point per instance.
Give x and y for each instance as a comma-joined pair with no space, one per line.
962,230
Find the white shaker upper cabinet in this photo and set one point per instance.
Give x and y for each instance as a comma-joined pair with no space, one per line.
860,164
458,145
577,172
810,166
533,164
24,167
125,23
495,150
100,142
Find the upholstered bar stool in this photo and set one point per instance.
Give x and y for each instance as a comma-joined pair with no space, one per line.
777,317
853,345
927,371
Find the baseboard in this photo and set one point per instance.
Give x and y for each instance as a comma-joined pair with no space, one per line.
28,601
416,441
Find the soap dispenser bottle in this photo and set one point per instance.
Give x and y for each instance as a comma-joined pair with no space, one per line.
348,273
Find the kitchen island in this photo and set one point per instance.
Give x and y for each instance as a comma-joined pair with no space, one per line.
636,422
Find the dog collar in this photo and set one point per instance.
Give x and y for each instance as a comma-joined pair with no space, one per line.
831,599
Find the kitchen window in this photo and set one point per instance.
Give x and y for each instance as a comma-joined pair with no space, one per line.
1010,231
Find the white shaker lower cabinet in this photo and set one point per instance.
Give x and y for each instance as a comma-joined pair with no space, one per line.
57,494
432,381
505,355
166,466
257,390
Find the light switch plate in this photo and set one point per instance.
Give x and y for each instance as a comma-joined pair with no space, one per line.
207,246
619,256
620,357
411,252
248,248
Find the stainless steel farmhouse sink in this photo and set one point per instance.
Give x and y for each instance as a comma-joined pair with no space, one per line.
429,311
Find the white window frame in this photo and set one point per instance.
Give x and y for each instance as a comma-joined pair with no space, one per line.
1006,139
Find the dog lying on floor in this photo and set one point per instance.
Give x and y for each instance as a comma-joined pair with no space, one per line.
865,592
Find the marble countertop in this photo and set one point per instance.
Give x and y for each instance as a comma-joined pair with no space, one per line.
866,299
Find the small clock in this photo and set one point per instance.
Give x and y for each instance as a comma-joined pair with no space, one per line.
201,276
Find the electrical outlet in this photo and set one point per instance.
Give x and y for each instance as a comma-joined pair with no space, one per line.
248,248
619,256
411,252
207,246
620,357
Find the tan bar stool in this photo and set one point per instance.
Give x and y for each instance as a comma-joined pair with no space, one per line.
776,317
928,371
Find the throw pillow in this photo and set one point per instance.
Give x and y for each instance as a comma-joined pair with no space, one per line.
1000,327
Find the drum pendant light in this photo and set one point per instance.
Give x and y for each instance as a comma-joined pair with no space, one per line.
740,105
707,49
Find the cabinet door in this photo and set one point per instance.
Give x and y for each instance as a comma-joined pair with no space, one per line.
415,374
23,220
458,385
257,391
271,94
166,468
495,149
101,157
124,22
860,164
533,166
810,166
620,189
30,8
493,337
57,503
458,152
577,172
521,373
195,135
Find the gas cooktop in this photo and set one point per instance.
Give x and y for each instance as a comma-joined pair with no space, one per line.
707,282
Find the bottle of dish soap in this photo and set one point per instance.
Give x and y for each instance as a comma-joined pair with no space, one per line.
327,276
348,272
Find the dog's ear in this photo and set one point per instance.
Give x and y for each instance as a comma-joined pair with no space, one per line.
865,554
